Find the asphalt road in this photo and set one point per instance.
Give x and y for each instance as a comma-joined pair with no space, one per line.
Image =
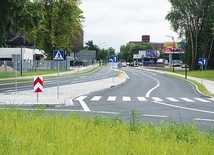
155,97
102,73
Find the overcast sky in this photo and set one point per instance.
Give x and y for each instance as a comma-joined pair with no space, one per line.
112,23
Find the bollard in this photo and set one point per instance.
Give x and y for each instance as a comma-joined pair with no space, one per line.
119,73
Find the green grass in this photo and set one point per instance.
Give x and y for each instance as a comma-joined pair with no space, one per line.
22,132
207,74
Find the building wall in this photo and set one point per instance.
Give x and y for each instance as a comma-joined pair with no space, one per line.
27,53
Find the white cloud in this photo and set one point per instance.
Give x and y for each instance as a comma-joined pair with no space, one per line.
116,22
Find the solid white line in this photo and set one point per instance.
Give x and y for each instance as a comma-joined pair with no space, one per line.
148,93
161,116
83,104
180,107
212,99
203,119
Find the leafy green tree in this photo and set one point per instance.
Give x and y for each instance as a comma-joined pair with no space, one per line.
15,15
193,20
62,19
127,51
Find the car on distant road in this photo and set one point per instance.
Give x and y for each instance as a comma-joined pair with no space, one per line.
176,63
160,62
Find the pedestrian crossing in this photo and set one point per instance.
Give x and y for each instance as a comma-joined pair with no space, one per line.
146,99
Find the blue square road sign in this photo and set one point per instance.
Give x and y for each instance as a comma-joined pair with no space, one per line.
58,55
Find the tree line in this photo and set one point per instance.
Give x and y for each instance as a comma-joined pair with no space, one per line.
193,20
49,24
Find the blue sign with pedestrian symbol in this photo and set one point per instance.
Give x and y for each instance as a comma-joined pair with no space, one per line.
202,61
58,55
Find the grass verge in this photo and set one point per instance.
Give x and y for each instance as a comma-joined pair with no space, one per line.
22,132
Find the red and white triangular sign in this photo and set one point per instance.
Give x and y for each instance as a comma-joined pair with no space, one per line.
38,84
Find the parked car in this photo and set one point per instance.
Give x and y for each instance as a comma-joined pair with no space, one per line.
160,62
184,66
176,63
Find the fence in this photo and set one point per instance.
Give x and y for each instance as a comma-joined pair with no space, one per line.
30,66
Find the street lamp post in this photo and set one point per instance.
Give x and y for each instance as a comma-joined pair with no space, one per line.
173,47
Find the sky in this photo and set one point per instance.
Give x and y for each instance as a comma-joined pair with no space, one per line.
113,23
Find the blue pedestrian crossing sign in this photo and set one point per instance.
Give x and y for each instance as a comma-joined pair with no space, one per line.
58,55
202,61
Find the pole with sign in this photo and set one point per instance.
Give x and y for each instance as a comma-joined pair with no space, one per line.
58,55
202,62
38,85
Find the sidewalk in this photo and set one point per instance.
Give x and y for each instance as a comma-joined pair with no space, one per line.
66,93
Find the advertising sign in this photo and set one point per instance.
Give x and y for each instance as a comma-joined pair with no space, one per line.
176,47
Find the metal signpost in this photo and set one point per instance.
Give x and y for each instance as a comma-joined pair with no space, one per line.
202,62
38,85
58,55
113,59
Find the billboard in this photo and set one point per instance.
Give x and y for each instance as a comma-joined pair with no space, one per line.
147,54
173,47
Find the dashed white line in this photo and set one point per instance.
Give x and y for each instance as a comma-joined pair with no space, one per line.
157,99
161,116
125,98
186,99
172,99
111,98
141,99
96,98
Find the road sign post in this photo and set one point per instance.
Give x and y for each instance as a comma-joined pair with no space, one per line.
202,62
58,55
38,85
113,59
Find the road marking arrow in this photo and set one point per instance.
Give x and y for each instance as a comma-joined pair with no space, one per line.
83,104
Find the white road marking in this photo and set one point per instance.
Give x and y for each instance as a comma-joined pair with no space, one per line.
141,98
96,98
126,98
212,99
161,116
83,104
172,99
111,98
186,108
202,100
148,93
204,119
157,99
186,99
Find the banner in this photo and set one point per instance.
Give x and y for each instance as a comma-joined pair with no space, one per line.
170,47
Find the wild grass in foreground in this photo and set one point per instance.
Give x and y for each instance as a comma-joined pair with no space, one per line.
22,132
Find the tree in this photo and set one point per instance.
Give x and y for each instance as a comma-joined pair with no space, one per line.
14,15
127,51
62,19
193,20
